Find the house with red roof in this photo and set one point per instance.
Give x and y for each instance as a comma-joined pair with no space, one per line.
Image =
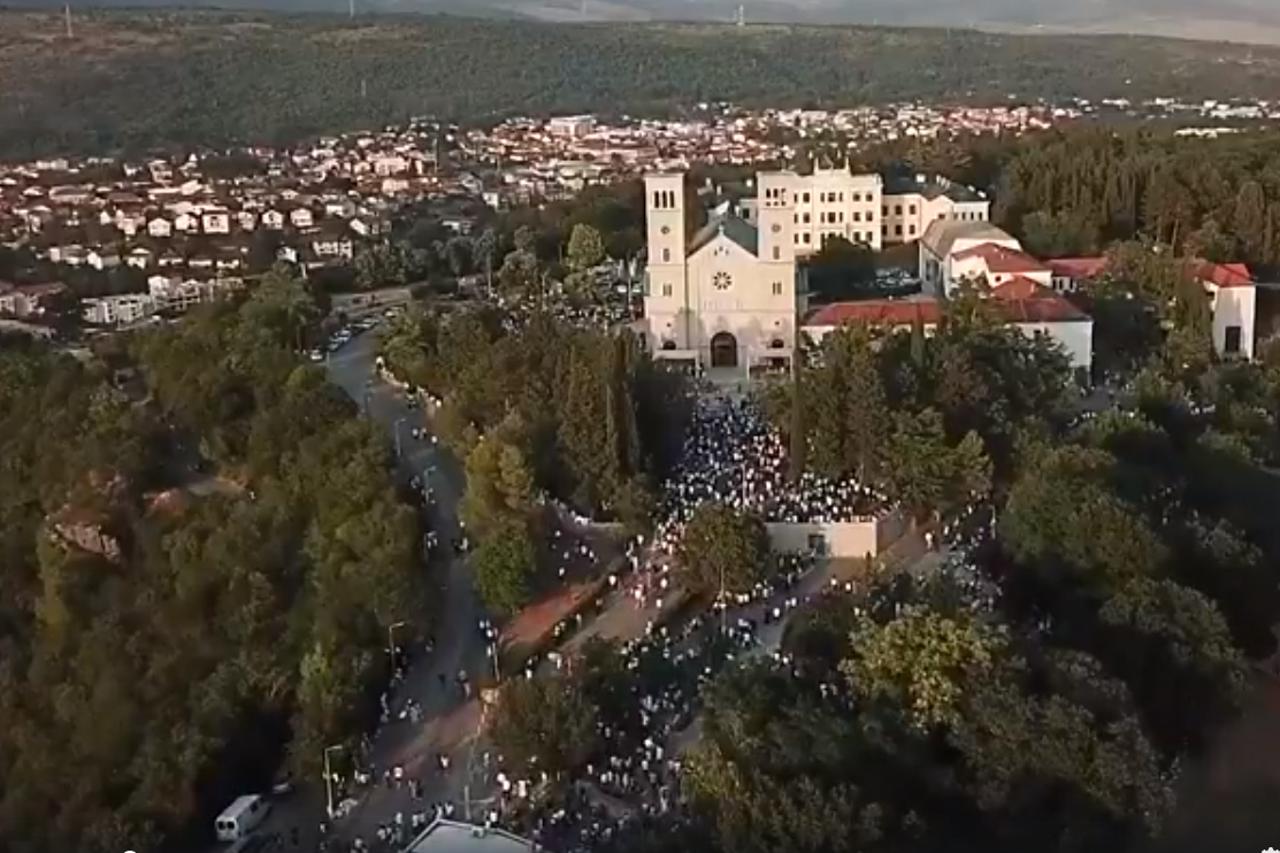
1232,292
1027,304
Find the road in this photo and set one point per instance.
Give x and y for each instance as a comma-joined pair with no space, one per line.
449,720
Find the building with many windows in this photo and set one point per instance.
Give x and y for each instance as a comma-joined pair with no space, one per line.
870,209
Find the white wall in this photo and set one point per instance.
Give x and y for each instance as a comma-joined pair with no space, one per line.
1075,336
855,539
1234,306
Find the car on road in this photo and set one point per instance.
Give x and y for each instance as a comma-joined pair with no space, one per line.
316,354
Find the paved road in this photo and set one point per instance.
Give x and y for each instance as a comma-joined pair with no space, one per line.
449,720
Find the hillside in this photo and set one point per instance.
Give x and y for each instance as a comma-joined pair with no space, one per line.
1252,21
138,79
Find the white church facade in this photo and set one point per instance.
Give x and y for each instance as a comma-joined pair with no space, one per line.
726,298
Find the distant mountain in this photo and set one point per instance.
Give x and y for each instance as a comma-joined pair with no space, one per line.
1255,21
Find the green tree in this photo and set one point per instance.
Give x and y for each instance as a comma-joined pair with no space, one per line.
922,662
504,563
723,549
546,723
586,248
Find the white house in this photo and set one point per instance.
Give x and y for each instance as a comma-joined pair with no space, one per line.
943,262
215,221
160,228
185,222
118,309
273,219
1232,293
300,217
726,297
247,220
102,259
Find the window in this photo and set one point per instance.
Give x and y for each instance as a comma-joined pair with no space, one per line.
897,230
805,198
871,215
666,256
884,210
805,218
777,288
857,217
857,196
666,290
1231,340
912,210
840,197
841,215
668,344
897,210
777,253
806,237
911,229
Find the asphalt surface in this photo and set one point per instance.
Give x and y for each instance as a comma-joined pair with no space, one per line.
450,618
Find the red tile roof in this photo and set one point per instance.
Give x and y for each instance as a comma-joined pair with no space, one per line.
1220,275
1003,259
1039,306
1077,268
889,312
1223,275
1019,287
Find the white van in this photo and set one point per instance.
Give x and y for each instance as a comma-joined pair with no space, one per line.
238,819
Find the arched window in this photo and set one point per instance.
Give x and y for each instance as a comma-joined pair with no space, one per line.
666,256
668,344
776,343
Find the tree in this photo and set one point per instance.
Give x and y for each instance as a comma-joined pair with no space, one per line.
847,401
503,563
723,549
922,662
381,265
925,473
545,723
1249,219
841,270
1065,524
1173,645
499,486
586,248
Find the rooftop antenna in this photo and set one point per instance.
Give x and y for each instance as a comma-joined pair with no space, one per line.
741,18
66,16
351,8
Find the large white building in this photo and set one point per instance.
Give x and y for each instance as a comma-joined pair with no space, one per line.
869,209
726,297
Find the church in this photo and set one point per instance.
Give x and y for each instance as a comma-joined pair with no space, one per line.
727,297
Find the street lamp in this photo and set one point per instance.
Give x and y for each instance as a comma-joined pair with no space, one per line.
391,643
328,779
397,431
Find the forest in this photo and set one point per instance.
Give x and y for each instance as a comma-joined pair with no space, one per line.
201,550
539,408
133,80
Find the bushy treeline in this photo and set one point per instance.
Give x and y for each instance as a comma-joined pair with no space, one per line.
192,638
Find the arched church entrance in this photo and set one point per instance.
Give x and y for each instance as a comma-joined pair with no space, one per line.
724,350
